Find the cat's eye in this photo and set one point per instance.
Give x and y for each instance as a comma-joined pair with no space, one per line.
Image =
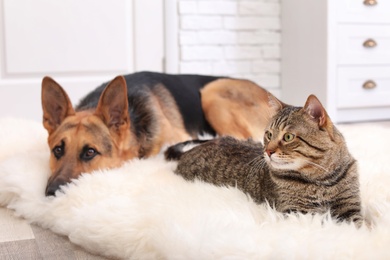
288,137
268,135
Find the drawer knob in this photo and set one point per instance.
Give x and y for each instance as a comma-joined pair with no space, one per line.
370,2
370,43
369,84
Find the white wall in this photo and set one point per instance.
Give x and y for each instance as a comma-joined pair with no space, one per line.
238,38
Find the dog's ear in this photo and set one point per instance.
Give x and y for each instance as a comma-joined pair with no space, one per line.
56,104
113,104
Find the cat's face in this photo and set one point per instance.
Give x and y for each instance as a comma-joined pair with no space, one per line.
299,139
293,140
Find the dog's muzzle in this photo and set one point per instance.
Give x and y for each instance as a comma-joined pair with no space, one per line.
53,186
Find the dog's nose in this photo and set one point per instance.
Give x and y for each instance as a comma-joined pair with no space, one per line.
52,187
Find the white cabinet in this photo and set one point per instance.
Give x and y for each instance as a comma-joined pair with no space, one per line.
339,51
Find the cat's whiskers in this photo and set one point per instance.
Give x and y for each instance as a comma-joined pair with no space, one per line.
316,165
255,160
257,163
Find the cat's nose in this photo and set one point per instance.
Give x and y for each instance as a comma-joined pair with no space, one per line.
269,152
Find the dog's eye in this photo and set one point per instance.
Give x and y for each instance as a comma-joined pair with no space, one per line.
88,153
58,151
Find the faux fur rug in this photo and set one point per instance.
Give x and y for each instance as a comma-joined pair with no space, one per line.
143,210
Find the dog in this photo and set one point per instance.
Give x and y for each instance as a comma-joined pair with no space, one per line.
135,115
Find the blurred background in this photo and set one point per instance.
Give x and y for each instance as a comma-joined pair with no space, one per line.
338,50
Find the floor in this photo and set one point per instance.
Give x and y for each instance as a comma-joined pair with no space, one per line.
20,240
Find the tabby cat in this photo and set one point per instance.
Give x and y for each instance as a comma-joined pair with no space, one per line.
304,165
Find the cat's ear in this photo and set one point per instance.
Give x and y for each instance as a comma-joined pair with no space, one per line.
275,104
315,110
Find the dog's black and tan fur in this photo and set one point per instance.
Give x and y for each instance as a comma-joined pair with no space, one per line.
135,115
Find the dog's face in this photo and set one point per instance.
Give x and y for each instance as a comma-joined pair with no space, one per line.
81,142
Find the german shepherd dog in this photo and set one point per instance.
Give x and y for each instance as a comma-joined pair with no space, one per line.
135,115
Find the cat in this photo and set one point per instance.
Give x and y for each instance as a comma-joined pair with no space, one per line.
304,165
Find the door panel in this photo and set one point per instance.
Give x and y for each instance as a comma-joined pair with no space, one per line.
81,44
43,36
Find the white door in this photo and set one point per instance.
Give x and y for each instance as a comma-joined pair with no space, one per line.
81,44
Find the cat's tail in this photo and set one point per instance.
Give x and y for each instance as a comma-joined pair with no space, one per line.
174,152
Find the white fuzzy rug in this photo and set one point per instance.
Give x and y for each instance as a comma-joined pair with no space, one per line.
142,210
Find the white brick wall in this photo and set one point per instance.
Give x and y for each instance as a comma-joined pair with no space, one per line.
237,38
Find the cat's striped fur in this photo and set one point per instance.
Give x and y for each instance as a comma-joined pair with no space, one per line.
304,165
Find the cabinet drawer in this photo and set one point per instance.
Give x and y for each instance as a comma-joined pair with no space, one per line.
363,44
363,87
363,11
